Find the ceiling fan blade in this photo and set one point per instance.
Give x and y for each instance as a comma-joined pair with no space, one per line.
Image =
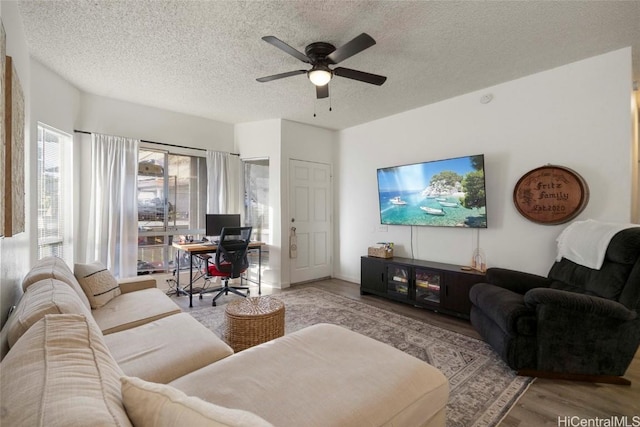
286,48
374,79
280,76
322,91
357,45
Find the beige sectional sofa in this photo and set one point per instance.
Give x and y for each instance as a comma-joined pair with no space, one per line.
133,358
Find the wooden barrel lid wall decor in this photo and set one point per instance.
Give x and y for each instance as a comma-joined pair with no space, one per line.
551,195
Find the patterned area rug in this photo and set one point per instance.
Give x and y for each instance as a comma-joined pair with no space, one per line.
483,388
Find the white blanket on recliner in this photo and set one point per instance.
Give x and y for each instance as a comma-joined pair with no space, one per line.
586,242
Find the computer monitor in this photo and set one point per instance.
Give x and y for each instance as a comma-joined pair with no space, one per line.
214,223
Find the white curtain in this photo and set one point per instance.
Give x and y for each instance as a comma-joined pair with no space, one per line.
225,183
113,216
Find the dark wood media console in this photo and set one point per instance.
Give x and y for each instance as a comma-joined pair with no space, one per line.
433,285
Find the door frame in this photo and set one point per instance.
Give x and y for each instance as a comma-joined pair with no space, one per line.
287,220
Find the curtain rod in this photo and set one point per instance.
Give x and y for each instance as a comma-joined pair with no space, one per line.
158,143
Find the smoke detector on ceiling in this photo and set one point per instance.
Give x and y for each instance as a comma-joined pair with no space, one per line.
485,99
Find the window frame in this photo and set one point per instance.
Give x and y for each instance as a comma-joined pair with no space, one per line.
64,237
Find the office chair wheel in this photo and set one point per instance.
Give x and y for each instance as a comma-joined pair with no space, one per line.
200,296
248,292
213,304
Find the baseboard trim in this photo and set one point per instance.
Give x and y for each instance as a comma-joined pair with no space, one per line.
607,379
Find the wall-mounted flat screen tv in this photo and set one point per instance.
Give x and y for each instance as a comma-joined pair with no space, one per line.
444,193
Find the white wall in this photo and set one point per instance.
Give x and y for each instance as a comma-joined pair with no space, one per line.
260,140
113,117
14,251
280,141
635,158
110,116
576,116
300,142
55,102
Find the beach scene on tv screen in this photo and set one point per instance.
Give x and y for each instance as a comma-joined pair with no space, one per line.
447,193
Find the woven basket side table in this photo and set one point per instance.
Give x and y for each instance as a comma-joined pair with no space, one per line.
253,320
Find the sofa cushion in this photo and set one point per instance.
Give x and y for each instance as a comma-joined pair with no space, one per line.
157,405
60,373
167,348
97,282
330,376
48,296
52,267
608,282
624,247
133,309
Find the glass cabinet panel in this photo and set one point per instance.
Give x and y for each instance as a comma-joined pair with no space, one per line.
428,286
398,281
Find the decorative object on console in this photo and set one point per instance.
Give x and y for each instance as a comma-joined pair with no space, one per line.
381,250
478,258
442,193
479,261
551,195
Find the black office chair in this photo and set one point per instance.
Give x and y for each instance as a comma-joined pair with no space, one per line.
231,260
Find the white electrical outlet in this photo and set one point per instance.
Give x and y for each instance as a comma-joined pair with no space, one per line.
383,228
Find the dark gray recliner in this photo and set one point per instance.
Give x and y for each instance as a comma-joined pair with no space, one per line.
577,323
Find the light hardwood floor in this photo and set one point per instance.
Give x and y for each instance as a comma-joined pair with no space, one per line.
545,403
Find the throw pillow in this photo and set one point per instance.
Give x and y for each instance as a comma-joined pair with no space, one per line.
97,283
159,405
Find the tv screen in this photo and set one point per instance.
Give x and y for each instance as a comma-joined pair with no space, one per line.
214,223
445,193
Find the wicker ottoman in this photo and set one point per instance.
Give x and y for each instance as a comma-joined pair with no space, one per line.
253,320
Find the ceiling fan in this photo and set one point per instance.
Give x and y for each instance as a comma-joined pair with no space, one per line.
320,55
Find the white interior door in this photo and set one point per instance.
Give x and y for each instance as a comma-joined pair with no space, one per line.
310,215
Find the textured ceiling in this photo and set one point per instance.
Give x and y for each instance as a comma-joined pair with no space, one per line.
203,57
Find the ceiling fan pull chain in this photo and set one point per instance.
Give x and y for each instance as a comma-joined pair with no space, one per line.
330,104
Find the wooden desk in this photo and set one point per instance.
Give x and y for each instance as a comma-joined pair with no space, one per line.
203,248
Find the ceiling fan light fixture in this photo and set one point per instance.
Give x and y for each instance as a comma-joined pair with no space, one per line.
320,75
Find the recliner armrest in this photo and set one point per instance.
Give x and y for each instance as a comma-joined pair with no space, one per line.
137,283
579,302
516,281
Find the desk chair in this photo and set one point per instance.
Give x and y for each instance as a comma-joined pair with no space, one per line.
231,259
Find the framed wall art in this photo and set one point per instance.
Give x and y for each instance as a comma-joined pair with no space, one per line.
551,195
14,214
3,53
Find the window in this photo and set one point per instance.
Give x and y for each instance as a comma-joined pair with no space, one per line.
172,200
52,192
257,209
256,185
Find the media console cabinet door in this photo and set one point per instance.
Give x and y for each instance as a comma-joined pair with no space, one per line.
551,195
